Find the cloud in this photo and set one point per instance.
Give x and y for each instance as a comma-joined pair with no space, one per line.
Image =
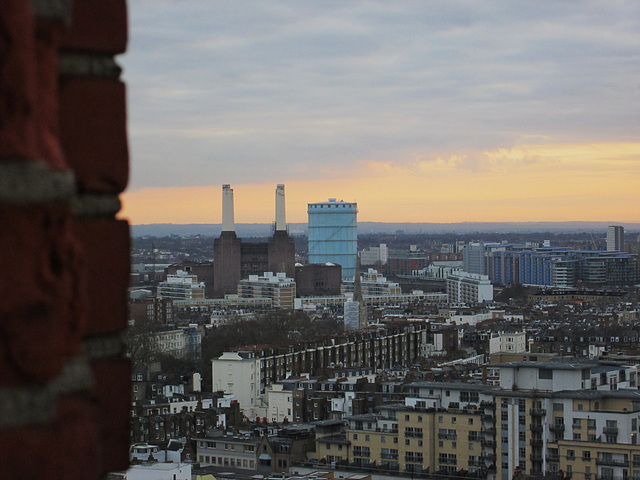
246,92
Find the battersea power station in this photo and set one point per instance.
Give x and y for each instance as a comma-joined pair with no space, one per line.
234,260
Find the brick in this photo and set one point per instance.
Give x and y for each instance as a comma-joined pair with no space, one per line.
97,26
17,81
78,432
41,313
46,52
106,246
93,134
113,392
30,452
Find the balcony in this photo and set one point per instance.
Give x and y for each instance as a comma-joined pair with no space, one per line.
488,443
610,430
488,405
489,431
535,457
553,458
486,417
557,427
612,462
535,427
389,456
535,442
537,412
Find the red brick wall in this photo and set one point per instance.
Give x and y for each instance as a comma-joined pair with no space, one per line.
64,257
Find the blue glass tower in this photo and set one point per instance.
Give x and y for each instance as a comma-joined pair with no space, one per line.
333,234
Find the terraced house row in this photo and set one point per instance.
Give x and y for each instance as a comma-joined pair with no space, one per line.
543,418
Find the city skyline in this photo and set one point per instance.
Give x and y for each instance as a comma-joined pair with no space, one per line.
435,112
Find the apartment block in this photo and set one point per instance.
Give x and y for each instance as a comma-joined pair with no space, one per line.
468,289
544,418
277,287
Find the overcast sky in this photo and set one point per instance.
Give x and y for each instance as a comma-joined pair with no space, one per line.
338,95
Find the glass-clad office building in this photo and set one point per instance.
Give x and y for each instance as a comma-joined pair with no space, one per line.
333,234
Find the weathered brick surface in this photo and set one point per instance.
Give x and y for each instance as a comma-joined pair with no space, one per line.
79,435
67,449
106,246
63,287
17,81
41,313
93,134
46,50
113,390
98,26
31,452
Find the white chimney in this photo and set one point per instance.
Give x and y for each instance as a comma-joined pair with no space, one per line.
228,224
280,217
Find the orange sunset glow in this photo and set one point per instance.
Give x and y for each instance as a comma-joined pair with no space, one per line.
593,182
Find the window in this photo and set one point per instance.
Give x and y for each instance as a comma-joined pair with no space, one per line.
359,451
586,455
558,407
545,374
577,436
571,454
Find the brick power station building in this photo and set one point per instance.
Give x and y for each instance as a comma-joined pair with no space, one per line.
235,260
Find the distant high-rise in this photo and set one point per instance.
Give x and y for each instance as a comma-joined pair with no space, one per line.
615,238
473,258
333,234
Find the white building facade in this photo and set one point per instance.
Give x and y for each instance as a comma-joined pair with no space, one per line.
239,373
277,287
468,289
